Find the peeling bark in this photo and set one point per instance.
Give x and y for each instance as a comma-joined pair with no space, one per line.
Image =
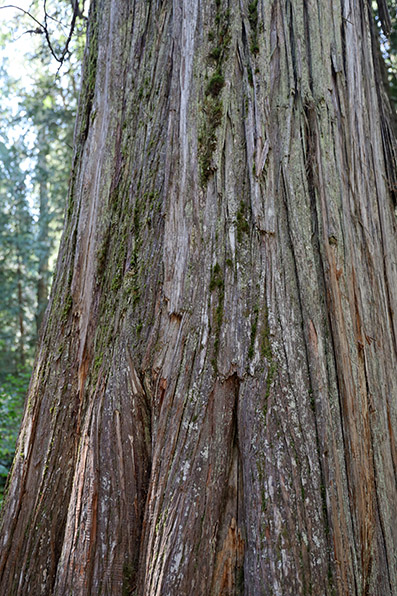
213,406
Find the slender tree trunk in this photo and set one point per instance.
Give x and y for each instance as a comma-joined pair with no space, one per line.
213,408
21,315
44,241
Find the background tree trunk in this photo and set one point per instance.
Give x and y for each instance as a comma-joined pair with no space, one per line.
213,407
21,315
44,241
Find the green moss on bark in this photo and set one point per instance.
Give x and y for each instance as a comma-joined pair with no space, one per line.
212,105
215,84
253,21
217,284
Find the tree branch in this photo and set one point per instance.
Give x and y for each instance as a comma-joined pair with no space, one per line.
24,11
43,27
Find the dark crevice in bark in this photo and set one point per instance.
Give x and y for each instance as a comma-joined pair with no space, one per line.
343,37
227,578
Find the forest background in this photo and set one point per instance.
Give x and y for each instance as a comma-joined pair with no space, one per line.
41,49
38,103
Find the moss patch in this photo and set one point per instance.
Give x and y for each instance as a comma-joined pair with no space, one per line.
207,138
215,84
216,280
212,108
253,21
67,307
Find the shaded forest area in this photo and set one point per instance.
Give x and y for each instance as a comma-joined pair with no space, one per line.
38,108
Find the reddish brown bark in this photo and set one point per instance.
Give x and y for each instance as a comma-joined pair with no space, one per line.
213,407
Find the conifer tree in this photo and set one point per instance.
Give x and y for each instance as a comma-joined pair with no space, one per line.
213,403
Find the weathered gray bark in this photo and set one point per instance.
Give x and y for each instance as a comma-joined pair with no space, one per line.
213,408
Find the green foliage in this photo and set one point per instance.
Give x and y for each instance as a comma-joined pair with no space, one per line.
36,135
17,262
12,393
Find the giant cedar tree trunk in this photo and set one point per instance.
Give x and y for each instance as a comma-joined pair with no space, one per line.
213,407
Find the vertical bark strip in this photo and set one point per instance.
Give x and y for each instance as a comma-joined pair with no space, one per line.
213,407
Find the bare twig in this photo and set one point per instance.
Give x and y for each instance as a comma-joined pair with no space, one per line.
57,21
37,31
24,11
43,27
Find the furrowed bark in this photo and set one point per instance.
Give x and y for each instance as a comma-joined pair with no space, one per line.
213,406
